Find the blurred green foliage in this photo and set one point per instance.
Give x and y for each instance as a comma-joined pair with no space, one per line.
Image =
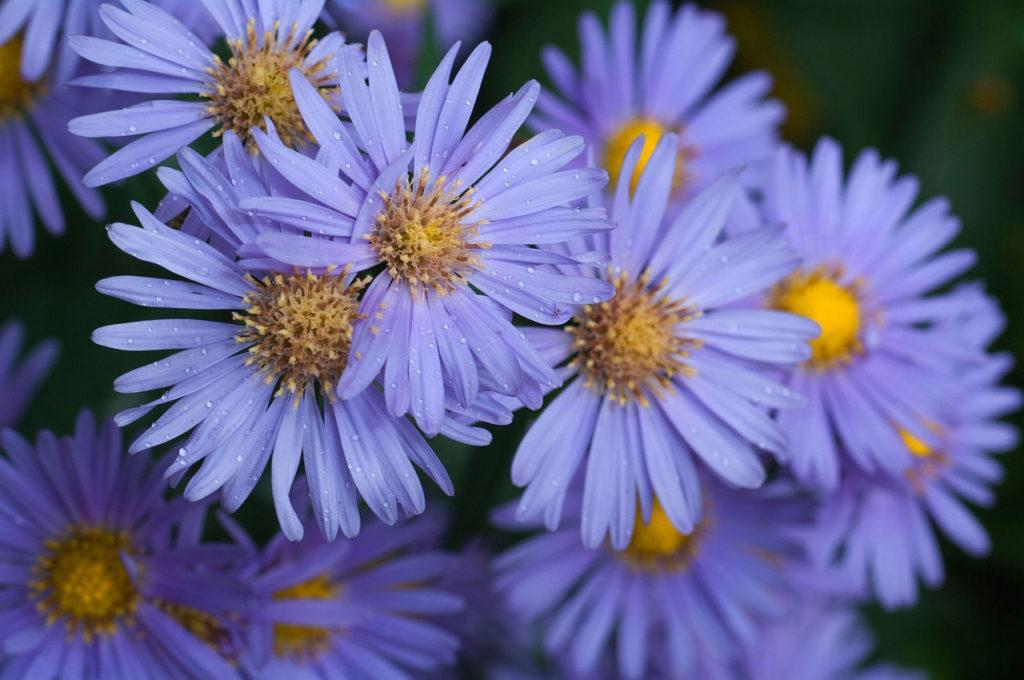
937,84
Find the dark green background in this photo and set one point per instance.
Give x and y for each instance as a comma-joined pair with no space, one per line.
936,84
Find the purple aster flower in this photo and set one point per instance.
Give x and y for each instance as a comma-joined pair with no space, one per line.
670,374
367,607
663,85
33,131
875,534
670,600
403,24
19,381
450,218
160,55
815,639
258,385
102,577
868,267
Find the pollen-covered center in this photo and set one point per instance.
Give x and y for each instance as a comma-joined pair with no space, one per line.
618,145
628,347
304,642
15,94
82,579
424,236
254,83
658,544
300,327
834,306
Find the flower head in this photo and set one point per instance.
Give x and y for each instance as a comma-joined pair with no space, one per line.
364,607
661,602
259,385
451,218
161,55
868,266
670,362
875,533
104,577
33,132
19,381
624,91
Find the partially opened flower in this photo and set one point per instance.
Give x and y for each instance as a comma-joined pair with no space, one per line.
450,218
670,375
875,533
368,607
258,385
664,85
671,600
20,378
102,577
160,55
33,133
405,23
868,267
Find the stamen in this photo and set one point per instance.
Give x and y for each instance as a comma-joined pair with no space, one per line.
658,545
422,235
254,83
928,462
834,306
618,145
300,327
83,580
628,347
304,642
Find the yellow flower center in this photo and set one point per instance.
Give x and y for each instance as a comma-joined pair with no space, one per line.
914,445
835,307
15,94
618,145
421,237
628,347
658,544
300,327
405,6
304,642
254,83
82,579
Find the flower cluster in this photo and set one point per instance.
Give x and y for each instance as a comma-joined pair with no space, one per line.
758,387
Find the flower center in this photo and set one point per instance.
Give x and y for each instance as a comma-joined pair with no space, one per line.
421,236
928,462
404,6
304,642
15,93
835,307
300,327
627,347
658,544
204,626
82,579
254,83
618,145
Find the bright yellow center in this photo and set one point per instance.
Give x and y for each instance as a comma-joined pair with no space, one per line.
618,145
15,93
254,83
405,6
819,296
658,544
915,445
422,236
82,579
304,642
301,328
628,347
